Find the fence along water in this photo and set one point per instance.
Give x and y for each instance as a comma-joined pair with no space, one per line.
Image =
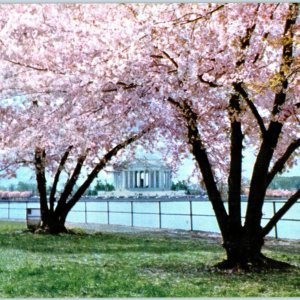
188,214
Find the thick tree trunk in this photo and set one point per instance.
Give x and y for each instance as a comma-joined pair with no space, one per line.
244,251
243,244
52,223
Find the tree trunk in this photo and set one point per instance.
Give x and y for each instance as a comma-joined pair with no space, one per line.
244,251
241,250
52,223
53,219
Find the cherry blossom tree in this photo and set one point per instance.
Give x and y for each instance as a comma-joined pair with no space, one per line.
57,75
226,77
64,145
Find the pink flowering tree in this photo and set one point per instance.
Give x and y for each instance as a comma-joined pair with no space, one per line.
58,72
225,77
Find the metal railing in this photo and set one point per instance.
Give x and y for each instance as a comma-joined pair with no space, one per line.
10,210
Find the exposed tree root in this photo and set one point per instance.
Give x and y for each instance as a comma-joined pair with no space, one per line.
260,263
52,230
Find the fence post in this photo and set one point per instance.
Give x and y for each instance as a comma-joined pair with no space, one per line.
8,209
191,215
131,212
159,214
85,212
274,212
26,207
107,212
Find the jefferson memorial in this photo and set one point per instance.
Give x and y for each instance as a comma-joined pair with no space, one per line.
142,175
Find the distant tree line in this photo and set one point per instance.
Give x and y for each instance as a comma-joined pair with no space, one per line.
179,186
21,187
100,186
189,189
24,186
286,183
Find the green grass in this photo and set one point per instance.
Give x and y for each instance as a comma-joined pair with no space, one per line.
129,265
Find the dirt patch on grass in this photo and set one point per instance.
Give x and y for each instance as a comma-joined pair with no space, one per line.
210,237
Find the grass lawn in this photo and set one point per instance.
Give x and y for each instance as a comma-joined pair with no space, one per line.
130,265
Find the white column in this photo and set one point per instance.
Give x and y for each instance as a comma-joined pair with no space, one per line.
149,179
162,179
167,180
159,179
119,180
123,180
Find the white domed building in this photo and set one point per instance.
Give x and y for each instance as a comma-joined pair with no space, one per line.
142,175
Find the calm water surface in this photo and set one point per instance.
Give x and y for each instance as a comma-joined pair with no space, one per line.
173,215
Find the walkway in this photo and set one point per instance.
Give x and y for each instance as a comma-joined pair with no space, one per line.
210,237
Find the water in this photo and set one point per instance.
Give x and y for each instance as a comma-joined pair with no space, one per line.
173,214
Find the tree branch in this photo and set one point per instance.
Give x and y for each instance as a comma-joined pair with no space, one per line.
290,202
245,41
235,173
199,152
258,185
201,17
32,67
211,84
287,57
279,164
101,164
40,161
71,182
56,178
18,162
170,59
239,88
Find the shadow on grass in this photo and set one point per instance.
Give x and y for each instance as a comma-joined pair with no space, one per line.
80,242
109,243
